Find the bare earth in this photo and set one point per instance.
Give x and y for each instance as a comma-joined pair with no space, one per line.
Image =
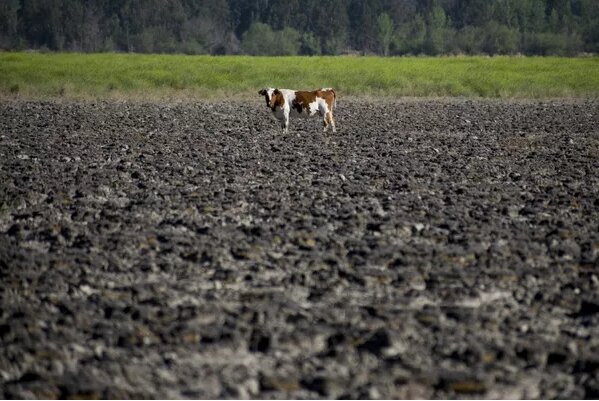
429,248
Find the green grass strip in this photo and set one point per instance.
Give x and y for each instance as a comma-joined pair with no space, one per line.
113,75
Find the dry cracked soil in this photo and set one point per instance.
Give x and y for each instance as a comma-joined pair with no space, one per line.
429,248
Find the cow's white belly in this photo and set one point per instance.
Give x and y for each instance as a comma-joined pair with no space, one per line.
318,107
303,114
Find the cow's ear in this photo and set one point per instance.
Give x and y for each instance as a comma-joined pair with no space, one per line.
276,92
262,92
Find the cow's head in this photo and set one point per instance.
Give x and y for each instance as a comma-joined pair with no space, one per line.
267,93
273,97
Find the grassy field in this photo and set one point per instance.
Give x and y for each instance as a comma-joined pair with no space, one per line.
129,76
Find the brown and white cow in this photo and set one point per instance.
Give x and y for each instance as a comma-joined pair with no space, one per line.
287,102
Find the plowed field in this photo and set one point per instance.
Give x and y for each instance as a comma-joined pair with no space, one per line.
429,248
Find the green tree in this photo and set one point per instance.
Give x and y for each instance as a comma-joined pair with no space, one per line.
287,42
436,31
362,17
328,20
384,32
549,43
260,39
310,45
532,15
505,12
8,23
476,12
499,39
469,40
589,20
410,37
334,44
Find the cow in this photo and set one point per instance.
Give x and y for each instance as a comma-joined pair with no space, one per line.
287,102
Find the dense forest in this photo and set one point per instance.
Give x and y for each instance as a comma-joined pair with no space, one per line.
306,27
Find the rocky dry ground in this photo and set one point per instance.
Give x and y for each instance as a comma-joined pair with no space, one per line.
429,248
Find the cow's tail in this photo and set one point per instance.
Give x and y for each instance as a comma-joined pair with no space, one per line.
334,98
334,95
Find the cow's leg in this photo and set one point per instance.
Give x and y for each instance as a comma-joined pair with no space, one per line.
324,112
331,120
286,123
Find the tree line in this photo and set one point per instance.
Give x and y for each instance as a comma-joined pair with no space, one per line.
304,27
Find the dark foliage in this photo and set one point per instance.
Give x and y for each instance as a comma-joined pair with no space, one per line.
276,27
